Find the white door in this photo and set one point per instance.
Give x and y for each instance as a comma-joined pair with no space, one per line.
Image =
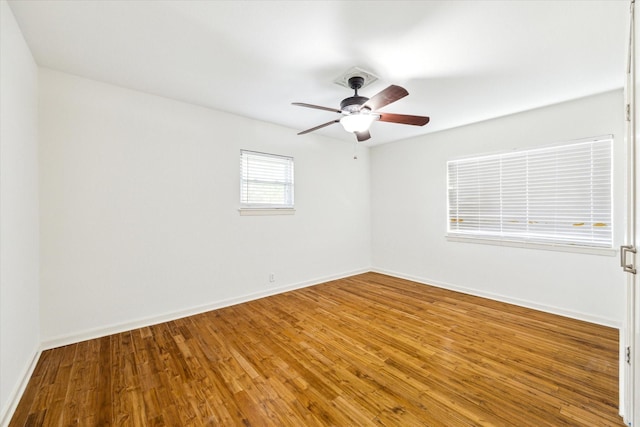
630,339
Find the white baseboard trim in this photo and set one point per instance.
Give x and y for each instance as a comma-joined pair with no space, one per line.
16,394
509,300
140,323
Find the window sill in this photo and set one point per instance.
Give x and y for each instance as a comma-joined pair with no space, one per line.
534,245
266,211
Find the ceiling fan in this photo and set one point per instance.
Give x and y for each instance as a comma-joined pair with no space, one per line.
359,112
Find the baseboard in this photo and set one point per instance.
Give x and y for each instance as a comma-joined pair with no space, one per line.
140,323
509,300
16,394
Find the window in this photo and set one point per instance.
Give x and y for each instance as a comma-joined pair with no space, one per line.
266,181
554,195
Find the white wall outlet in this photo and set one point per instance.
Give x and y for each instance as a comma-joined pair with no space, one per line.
272,277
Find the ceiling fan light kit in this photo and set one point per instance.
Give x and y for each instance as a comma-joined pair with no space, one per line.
357,122
359,112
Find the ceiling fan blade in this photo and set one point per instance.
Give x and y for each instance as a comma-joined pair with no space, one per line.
317,107
385,97
404,119
318,127
363,136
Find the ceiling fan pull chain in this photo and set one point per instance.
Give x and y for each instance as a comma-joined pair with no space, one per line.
355,150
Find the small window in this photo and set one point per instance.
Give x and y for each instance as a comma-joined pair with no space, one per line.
554,195
266,181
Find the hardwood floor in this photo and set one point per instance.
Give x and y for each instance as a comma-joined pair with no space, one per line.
367,350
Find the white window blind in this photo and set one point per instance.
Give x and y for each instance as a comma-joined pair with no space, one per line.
266,180
558,195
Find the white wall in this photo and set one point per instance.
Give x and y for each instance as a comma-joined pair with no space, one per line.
139,202
139,198
409,217
19,339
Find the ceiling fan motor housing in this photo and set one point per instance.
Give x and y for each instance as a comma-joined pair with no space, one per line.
353,103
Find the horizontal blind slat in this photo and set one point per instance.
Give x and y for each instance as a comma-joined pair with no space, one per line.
266,180
558,194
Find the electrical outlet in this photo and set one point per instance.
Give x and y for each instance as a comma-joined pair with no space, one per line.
272,277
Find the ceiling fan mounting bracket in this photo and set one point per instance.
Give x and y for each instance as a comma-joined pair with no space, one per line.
368,77
356,82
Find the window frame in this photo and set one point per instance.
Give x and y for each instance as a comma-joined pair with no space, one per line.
253,207
526,239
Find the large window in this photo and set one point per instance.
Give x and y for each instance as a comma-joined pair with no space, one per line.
266,181
558,195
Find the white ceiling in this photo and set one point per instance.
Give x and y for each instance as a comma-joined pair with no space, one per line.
461,61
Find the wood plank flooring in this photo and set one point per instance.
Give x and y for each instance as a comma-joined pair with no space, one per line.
366,350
